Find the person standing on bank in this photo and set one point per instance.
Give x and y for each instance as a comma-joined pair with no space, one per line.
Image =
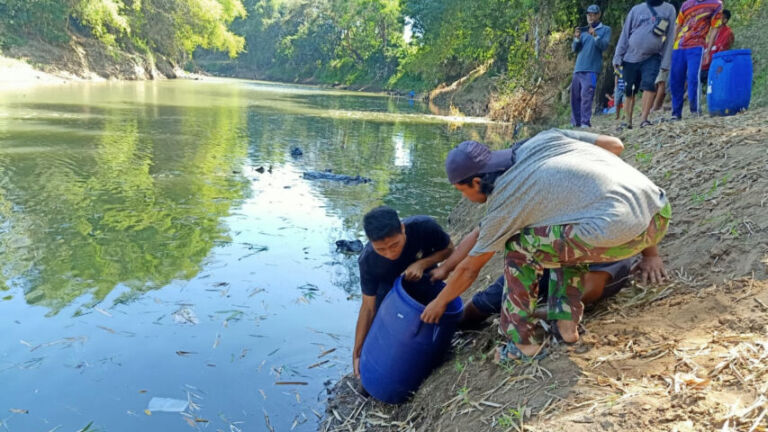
589,42
411,247
695,24
564,202
643,51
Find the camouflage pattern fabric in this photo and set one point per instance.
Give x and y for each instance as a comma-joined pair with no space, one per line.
557,248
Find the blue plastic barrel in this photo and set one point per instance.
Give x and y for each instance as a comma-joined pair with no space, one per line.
400,350
729,83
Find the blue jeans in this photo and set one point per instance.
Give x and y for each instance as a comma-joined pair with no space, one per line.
582,94
685,68
488,301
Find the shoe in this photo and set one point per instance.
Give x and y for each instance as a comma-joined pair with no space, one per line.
645,123
675,118
585,126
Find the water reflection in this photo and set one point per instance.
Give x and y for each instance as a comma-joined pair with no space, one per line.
159,239
117,205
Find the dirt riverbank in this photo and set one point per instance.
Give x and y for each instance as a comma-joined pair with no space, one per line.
688,355
81,59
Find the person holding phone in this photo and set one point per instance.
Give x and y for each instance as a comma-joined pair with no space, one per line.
589,42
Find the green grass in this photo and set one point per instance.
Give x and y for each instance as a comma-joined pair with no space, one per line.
748,24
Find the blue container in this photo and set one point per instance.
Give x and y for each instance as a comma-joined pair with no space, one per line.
400,350
729,83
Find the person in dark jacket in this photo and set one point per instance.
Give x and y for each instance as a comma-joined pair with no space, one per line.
589,43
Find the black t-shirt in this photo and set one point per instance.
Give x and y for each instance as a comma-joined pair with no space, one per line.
423,237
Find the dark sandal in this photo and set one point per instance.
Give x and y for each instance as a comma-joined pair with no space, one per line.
511,348
645,123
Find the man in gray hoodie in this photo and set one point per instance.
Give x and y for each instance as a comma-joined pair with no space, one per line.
645,47
589,42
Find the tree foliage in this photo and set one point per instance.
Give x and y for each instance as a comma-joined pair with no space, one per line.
173,28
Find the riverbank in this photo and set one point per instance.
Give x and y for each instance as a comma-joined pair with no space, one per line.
81,59
687,355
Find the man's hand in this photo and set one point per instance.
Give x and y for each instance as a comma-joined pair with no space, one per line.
591,31
433,312
356,365
439,274
414,271
577,33
651,269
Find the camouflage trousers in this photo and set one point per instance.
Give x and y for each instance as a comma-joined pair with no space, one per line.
558,249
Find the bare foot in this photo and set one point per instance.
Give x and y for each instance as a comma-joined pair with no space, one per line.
569,330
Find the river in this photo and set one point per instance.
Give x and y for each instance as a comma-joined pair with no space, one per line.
158,241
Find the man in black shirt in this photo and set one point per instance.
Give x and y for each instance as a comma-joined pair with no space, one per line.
411,248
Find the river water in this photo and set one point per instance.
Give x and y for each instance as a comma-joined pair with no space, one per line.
146,255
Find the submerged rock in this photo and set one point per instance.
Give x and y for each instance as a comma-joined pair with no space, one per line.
349,246
328,175
296,151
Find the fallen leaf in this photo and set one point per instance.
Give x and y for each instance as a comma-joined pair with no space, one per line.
142,391
18,411
291,383
147,412
184,353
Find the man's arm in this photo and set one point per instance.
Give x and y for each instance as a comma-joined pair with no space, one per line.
651,268
364,320
666,49
623,44
610,143
461,279
607,142
459,253
416,270
603,41
714,25
576,45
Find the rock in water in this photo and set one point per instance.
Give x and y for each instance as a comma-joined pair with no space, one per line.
296,151
349,246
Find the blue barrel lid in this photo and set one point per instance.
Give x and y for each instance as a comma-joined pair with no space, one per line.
732,53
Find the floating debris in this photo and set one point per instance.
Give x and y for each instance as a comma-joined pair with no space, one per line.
312,366
326,352
159,404
102,311
185,315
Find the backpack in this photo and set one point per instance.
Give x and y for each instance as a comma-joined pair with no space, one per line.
662,24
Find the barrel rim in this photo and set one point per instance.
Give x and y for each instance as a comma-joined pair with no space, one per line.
455,303
731,53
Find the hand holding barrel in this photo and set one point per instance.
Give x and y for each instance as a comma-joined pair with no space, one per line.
433,312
